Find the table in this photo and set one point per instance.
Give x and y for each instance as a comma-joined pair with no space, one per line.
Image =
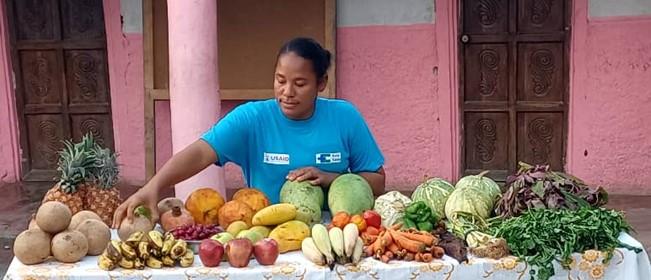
625,264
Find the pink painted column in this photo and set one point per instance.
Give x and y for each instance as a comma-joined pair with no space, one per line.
194,95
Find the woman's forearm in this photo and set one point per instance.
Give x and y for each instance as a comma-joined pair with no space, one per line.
184,164
376,180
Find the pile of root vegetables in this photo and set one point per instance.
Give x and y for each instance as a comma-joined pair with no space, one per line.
407,244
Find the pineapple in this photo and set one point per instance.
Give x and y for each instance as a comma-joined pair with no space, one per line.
102,196
75,164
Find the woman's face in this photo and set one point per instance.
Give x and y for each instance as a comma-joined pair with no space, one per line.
296,86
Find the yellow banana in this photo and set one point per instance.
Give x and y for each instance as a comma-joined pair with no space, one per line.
105,263
179,249
350,237
155,239
128,251
167,244
168,261
124,263
311,252
154,262
113,251
187,259
337,242
358,251
143,250
322,241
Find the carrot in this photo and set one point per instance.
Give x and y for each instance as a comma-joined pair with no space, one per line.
396,226
384,258
404,242
367,238
386,239
375,246
419,257
437,252
427,257
368,250
393,248
426,238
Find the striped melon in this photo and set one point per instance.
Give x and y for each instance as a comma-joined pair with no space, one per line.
434,192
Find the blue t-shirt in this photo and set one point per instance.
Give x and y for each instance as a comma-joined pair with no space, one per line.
267,145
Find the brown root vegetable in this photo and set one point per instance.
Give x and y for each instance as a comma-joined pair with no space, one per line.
97,234
32,246
69,246
81,216
53,217
32,222
167,204
177,217
495,248
140,223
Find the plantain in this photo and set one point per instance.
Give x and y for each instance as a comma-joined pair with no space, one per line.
168,261
113,251
179,249
155,239
135,238
128,264
128,252
187,259
105,263
167,244
138,264
143,250
154,262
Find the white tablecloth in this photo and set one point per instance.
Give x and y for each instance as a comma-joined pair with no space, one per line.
625,264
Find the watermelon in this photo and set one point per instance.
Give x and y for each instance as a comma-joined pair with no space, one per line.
434,192
350,193
308,200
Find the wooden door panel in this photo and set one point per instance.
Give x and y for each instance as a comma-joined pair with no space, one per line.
513,84
540,16
540,72
41,80
486,140
98,124
82,19
45,135
541,136
86,76
486,16
36,20
490,63
58,52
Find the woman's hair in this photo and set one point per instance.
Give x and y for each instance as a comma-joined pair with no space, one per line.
309,49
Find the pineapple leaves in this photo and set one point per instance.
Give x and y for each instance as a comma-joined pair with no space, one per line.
86,162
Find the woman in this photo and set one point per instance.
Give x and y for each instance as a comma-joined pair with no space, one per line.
295,136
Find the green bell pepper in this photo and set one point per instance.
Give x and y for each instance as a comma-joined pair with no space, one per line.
425,226
408,223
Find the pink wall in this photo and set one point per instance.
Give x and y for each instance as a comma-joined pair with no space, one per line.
9,139
394,85
126,74
609,136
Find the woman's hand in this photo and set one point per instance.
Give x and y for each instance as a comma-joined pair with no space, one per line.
147,196
315,176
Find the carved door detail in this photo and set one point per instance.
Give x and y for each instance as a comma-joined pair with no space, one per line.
513,83
61,78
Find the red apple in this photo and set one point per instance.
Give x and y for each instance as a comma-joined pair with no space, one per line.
211,252
372,218
239,252
266,251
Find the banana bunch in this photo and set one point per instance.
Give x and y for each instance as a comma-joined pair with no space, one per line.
327,247
151,249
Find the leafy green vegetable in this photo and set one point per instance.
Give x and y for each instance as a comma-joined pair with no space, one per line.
540,187
540,235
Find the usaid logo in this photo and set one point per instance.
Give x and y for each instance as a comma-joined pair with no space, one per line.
327,158
271,158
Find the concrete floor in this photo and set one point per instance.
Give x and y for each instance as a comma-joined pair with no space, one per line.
22,199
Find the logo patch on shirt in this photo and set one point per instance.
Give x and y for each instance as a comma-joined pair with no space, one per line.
328,158
271,158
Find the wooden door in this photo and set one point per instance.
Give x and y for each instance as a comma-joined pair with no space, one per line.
513,83
58,50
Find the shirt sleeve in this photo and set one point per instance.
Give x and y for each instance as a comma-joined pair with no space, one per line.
229,137
365,154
